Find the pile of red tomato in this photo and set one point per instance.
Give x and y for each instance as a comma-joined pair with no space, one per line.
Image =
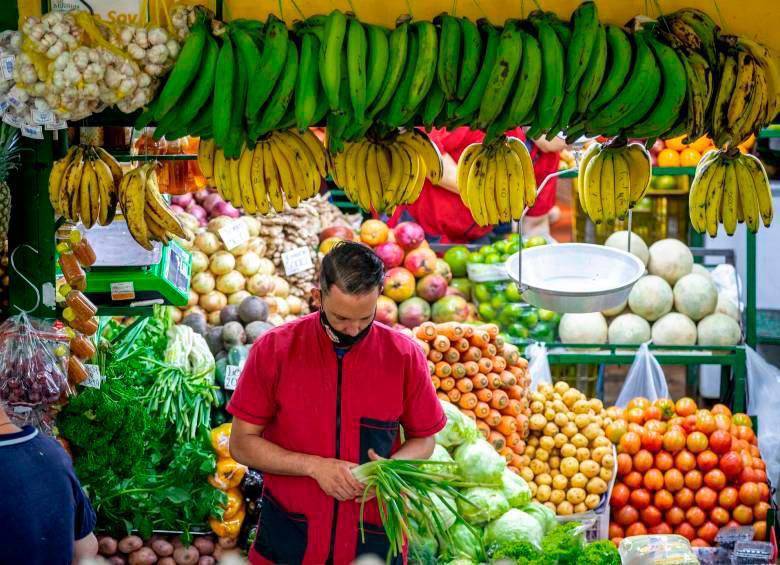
685,471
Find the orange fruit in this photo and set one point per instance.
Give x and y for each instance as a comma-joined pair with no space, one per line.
701,144
676,143
747,145
689,158
668,158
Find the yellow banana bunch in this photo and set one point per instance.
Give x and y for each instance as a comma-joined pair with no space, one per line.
83,185
729,188
147,214
612,179
496,181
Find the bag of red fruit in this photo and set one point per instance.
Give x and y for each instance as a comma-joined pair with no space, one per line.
33,361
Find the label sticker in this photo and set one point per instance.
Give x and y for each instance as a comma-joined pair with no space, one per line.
42,117
232,372
94,379
297,260
234,234
7,66
56,124
33,132
122,291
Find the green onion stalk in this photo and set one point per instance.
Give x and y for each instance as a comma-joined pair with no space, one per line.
403,490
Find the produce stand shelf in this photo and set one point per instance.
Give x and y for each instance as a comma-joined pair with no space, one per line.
127,158
768,327
657,172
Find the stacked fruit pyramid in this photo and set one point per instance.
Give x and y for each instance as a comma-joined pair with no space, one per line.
248,82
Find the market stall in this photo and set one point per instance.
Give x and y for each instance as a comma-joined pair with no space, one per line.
175,208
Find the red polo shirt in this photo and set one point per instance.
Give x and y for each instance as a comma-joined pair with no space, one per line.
312,400
441,212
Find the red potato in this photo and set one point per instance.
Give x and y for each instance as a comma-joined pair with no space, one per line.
227,543
162,548
117,560
107,546
129,544
186,555
166,561
143,556
206,560
204,544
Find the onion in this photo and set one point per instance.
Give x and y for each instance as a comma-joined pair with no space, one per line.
201,194
188,220
203,282
200,261
210,201
295,304
183,200
214,318
222,262
260,285
252,224
193,298
176,209
197,211
231,282
216,223
207,242
213,301
266,267
248,263
238,297
194,310
281,287
226,209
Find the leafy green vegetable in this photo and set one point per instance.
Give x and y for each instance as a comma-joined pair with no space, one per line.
515,489
479,462
513,525
463,543
481,504
601,552
564,543
521,552
542,514
423,550
459,428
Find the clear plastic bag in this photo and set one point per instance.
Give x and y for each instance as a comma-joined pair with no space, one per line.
656,550
538,364
33,361
645,378
763,390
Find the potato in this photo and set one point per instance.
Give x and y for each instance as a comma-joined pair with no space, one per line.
570,429
575,495
117,560
162,548
592,501
143,556
598,454
551,506
547,443
543,479
530,450
569,466
186,555
579,480
568,450
166,561
608,461
204,544
543,493
557,496
582,420
527,474
561,387
580,508
605,474
534,489
589,468
550,429
602,441
560,440
597,486
206,560
129,544
537,422
565,508
560,419
549,413
554,462
107,546
571,396
560,482
542,454
537,467
227,543
583,454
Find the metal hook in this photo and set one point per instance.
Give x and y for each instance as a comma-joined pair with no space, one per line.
25,279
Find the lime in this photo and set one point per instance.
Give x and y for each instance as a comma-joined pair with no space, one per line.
486,312
457,257
482,292
529,318
501,245
518,330
513,238
498,301
477,258
511,314
535,241
513,293
492,259
486,250
513,248
543,332
546,315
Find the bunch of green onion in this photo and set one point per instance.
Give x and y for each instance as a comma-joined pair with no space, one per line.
403,489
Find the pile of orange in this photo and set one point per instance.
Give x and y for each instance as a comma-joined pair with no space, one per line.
679,154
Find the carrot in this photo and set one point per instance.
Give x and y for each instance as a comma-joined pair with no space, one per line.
435,356
513,408
513,439
479,381
436,382
452,330
510,353
489,350
468,331
447,384
454,395
443,396
441,343
494,381
500,400
462,345
452,355
485,395
522,363
443,369
485,365
506,453
515,463
458,370
468,401
480,339
482,410
522,424
494,418
507,379
426,331
497,441
472,368
464,385
483,428
499,363
423,345
519,448
507,425
491,329
516,392
466,412
431,368
517,372
499,342
472,354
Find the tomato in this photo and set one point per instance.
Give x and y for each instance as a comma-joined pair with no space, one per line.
650,516
760,475
723,422
689,423
684,498
643,460
721,409
720,442
732,524
614,413
698,542
760,510
705,422
728,498
626,516
638,402
615,531
666,405
674,516
763,488
685,461
708,532
663,461
706,460
696,442
685,407
655,426
745,433
653,480
731,465
759,531
624,464
749,494
636,428
652,441
619,497
693,479
675,421
615,430
674,480
637,529
674,440
652,413
630,443
695,516
748,475
662,529
719,516
639,498
740,419
743,514
634,415
685,530
663,500
633,480
706,498
715,479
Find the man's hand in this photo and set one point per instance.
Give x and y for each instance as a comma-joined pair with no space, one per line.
335,479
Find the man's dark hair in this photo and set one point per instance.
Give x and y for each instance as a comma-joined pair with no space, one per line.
352,267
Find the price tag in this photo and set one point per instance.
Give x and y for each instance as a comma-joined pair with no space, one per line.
22,409
55,125
42,117
7,67
33,132
15,102
232,372
3,105
12,120
297,260
122,291
234,234
94,379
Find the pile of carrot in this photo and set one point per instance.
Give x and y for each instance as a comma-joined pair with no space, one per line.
473,368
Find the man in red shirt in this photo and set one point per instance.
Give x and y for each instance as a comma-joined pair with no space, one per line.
439,209
319,396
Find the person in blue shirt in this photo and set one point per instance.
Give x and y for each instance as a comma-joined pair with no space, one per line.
47,519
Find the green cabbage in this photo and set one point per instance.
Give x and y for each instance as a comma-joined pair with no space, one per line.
515,489
479,462
542,514
463,545
423,550
514,525
482,504
442,509
459,427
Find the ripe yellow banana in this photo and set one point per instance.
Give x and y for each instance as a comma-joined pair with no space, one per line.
501,185
107,192
113,164
427,150
529,178
593,190
622,176
728,204
639,168
399,167
271,177
697,197
302,163
88,189
57,177
589,153
749,199
206,148
464,165
713,198
489,191
383,167
245,181
761,185
69,202
475,188
607,185
373,178
133,199
316,148
235,187
221,175
157,209
515,186
257,179
285,173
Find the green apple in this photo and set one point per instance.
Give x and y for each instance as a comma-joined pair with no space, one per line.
498,301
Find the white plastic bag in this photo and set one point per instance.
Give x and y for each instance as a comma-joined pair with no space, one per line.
645,378
763,390
538,364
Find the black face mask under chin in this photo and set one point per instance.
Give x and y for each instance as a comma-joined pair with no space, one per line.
340,339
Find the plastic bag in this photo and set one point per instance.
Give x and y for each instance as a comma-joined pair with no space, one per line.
652,550
538,364
645,378
763,390
33,361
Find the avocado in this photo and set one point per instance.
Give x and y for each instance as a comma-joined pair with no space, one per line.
214,339
228,314
197,322
253,309
255,329
233,334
